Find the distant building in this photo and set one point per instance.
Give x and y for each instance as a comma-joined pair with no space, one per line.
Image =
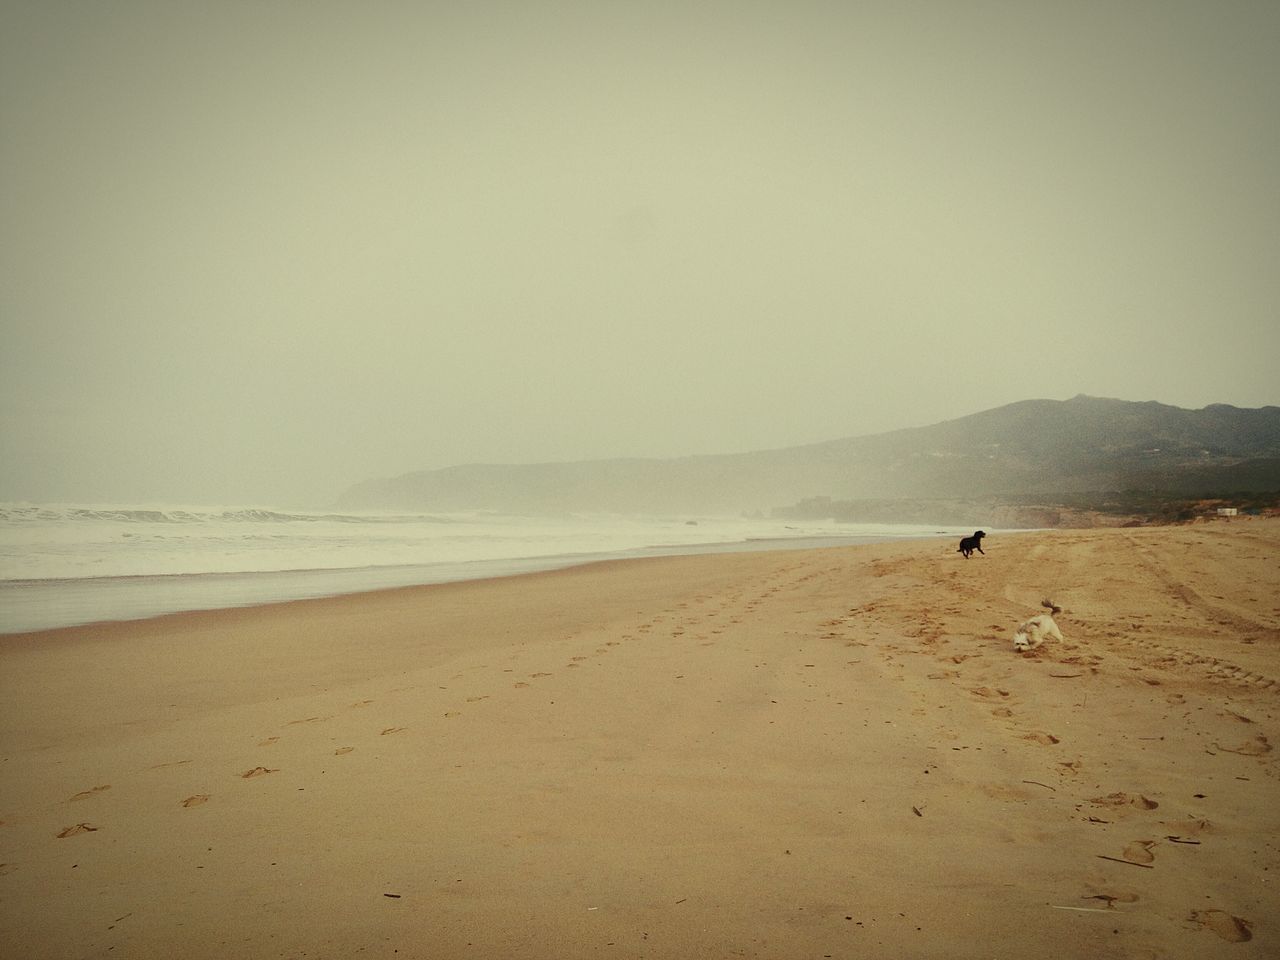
1228,511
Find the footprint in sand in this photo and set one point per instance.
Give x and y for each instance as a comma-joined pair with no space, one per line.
1250,748
1191,827
1230,928
342,750
536,675
1048,739
520,684
258,772
477,699
77,829
195,801
1120,799
91,792
172,763
1140,851
390,730
268,742
987,693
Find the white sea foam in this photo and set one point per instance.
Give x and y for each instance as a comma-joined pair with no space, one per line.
66,564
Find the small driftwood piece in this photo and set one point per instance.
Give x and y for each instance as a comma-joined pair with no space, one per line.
1132,863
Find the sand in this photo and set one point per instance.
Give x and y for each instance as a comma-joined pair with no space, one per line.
814,753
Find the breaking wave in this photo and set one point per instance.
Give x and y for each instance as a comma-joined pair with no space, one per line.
64,563
38,513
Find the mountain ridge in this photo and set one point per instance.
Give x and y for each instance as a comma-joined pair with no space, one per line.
1030,447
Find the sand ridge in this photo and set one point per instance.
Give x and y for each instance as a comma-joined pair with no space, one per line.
814,753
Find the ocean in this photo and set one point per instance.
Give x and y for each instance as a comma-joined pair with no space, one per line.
62,565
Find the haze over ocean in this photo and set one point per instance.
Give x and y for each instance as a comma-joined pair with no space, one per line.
258,252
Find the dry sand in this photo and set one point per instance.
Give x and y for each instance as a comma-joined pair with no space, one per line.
794,754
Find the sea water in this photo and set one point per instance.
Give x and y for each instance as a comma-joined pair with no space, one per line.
70,564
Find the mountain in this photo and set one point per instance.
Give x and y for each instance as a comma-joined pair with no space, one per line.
1042,448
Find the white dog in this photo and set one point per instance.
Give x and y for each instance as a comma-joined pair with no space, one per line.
1031,633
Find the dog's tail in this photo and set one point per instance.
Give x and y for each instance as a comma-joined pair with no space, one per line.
1053,607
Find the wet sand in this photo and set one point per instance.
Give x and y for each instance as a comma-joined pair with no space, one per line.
830,752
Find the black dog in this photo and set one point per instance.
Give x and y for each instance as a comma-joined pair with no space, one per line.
970,544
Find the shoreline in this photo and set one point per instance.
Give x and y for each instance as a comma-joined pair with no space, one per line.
770,754
47,604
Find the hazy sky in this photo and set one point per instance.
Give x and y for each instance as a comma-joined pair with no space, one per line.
256,251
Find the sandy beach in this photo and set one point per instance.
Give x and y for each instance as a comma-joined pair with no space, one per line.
820,753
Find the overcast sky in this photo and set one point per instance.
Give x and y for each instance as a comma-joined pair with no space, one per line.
256,251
